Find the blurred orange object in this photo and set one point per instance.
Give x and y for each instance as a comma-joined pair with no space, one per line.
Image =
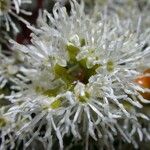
144,81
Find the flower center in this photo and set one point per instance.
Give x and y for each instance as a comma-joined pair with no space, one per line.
67,77
3,122
75,70
4,6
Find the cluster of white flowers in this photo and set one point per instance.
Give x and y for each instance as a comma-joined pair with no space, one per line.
76,79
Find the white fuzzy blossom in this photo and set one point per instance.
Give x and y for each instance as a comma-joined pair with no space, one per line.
10,73
9,8
81,72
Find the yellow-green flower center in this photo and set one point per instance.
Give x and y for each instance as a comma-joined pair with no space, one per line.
84,99
4,5
75,70
3,122
56,104
110,66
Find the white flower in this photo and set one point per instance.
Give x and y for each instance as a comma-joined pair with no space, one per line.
7,125
10,75
128,10
82,73
10,8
